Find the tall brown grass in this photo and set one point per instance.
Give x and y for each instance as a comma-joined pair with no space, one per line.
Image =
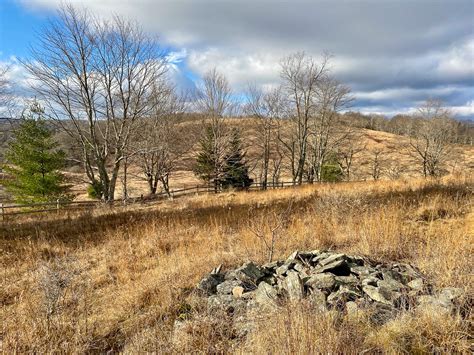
118,280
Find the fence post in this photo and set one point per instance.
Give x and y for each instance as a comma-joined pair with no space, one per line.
3,211
57,205
197,189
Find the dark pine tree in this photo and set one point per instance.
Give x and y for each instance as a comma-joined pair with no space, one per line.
34,162
236,172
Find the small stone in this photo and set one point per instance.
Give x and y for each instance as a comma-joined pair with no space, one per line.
321,281
416,284
238,291
293,285
375,294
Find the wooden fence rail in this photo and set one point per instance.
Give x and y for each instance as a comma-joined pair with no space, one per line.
58,205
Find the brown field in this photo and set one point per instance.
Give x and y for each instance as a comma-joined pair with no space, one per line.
396,160
116,280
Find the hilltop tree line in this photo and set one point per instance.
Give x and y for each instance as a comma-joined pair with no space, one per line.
107,93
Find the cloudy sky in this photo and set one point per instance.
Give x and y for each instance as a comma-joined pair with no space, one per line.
392,53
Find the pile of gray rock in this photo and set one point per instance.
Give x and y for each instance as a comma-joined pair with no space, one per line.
327,280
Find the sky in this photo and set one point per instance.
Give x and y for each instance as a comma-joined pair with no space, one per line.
394,54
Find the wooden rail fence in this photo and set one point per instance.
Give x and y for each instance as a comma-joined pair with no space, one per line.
7,210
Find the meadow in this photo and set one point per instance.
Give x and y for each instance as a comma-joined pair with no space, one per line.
117,280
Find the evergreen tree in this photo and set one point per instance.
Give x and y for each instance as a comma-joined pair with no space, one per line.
33,162
208,163
236,172
331,170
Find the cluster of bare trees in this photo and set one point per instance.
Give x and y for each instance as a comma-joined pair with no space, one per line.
106,87
98,78
309,98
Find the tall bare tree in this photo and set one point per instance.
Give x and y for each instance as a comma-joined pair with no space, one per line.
97,77
214,100
351,146
267,108
162,140
301,76
432,132
326,134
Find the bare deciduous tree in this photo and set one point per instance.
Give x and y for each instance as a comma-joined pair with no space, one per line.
214,100
350,148
301,75
376,164
431,134
161,140
97,77
267,108
326,135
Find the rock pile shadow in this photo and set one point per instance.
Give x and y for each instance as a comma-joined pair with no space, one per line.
327,280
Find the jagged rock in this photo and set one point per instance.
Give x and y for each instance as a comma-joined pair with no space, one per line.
226,287
321,281
298,267
318,299
272,266
341,296
281,270
209,284
293,285
390,285
266,296
249,273
217,270
292,257
361,271
332,258
338,267
342,280
375,294
371,280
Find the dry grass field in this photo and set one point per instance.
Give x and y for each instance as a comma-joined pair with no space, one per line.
396,160
117,280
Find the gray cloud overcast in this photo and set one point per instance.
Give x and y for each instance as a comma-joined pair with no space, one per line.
407,49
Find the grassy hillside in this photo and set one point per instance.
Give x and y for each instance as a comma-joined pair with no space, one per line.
118,280
396,159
